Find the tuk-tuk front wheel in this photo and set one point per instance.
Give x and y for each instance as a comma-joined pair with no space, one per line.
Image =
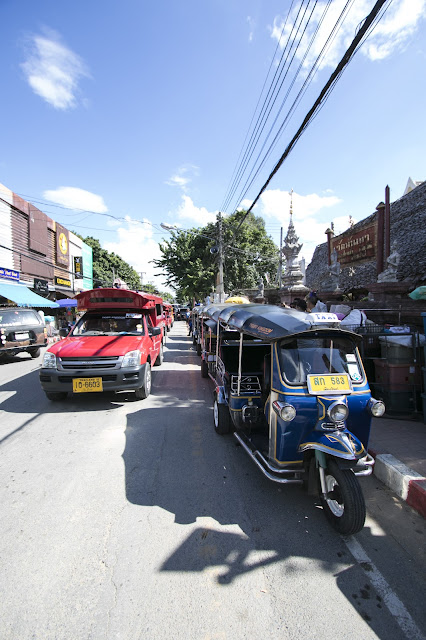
343,503
222,419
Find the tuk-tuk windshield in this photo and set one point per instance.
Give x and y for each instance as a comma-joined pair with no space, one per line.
303,356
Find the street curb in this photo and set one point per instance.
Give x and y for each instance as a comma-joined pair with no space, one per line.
406,483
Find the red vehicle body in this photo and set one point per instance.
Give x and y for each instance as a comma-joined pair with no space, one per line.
112,347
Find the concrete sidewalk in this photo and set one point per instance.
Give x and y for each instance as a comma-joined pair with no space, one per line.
399,447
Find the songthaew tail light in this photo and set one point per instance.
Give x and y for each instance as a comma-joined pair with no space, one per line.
49,360
338,412
377,408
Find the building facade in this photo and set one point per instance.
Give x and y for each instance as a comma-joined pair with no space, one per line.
39,253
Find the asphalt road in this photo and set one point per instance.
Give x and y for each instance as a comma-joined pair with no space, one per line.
130,520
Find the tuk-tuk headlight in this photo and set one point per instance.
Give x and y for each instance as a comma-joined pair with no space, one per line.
49,360
284,410
377,408
338,412
131,359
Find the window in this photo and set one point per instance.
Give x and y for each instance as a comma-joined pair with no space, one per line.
14,317
109,323
302,357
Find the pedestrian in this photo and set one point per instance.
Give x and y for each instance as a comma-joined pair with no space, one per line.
299,305
314,304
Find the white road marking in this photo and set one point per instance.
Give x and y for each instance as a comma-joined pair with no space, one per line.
391,600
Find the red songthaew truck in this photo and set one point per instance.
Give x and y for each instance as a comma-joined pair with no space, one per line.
112,347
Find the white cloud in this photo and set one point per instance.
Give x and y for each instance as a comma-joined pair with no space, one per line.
75,198
276,203
53,71
183,176
310,217
252,25
134,244
189,211
391,34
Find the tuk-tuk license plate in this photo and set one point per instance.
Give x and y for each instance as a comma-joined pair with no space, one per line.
86,385
329,383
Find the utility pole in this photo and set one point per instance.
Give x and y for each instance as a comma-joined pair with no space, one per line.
220,287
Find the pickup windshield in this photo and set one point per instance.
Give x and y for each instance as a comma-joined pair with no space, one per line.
302,357
110,323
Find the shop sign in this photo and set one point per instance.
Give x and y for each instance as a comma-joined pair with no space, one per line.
9,273
78,267
62,245
355,246
41,287
62,282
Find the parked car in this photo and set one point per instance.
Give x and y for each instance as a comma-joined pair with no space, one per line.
21,330
112,347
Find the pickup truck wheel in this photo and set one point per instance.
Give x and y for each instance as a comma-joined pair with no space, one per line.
34,353
144,391
55,397
160,357
204,369
222,419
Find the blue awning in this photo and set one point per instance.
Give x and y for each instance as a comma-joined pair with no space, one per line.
23,296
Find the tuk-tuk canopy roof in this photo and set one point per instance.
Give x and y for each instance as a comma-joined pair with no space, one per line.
270,322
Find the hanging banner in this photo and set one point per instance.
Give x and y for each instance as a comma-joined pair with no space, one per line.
63,282
355,246
10,274
41,287
78,267
62,245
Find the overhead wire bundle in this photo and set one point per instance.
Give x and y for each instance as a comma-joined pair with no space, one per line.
293,42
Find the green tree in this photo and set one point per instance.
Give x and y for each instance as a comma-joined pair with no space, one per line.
108,265
190,267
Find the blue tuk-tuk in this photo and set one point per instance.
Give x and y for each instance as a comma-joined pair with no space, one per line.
292,388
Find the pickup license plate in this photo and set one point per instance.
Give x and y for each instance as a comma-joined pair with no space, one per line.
86,385
22,336
331,384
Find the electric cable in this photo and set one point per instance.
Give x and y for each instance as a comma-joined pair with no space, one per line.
328,87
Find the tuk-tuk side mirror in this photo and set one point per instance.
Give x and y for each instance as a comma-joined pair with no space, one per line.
284,410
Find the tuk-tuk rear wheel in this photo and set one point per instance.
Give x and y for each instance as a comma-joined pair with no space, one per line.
344,504
222,419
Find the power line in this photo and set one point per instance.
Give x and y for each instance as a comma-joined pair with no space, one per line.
262,118
323,96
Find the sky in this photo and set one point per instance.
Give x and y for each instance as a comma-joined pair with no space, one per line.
119,116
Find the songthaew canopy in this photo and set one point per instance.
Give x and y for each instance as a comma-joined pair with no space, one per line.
23,296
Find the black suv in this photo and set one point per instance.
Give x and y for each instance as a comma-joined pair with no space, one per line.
21,330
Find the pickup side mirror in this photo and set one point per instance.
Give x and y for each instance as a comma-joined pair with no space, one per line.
63,332
154,331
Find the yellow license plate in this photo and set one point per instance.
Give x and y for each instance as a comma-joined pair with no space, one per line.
329,384
86,385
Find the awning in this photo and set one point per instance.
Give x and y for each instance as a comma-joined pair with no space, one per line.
67,302
23,296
